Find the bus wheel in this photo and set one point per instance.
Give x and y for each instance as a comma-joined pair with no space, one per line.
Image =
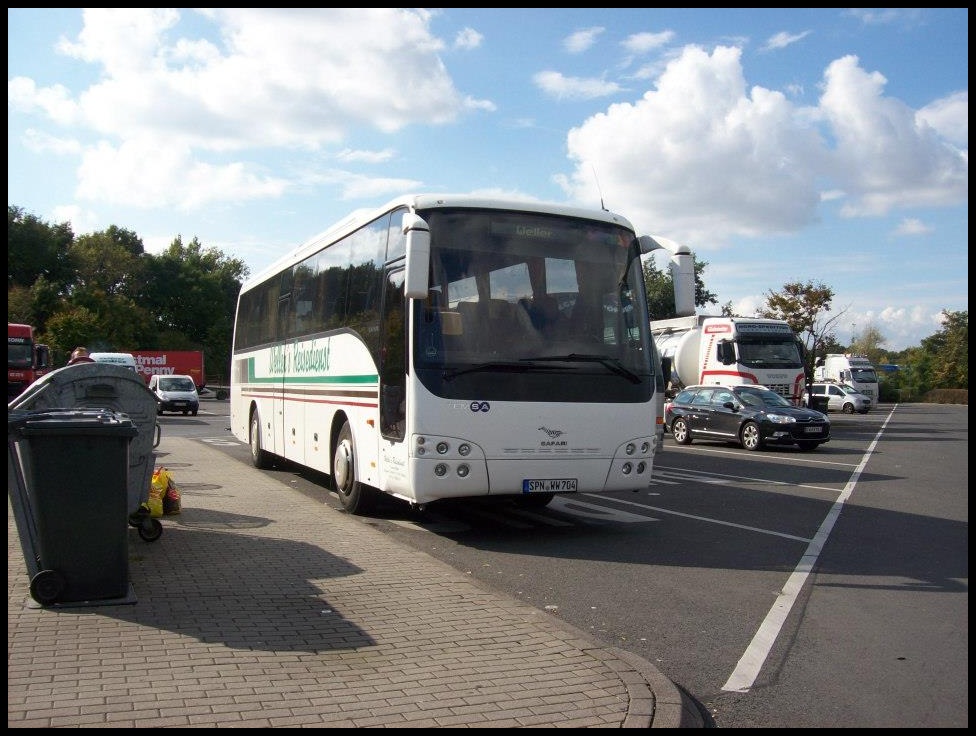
259,458
353,495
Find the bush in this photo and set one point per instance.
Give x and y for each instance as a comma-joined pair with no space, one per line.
947,396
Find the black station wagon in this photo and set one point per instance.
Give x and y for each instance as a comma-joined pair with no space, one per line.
752,416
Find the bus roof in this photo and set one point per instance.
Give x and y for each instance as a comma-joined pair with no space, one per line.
415,202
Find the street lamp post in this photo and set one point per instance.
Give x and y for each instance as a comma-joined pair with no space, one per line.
853,325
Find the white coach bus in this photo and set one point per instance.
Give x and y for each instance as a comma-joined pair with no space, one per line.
447,346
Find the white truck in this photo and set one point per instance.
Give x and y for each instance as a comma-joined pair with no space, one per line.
727,351
854,370
732,351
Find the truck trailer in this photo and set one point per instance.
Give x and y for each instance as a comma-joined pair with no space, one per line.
171,363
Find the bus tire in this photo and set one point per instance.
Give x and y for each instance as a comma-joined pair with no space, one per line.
260,458
353,495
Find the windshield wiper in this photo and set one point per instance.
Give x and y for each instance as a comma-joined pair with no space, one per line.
611,364
497,366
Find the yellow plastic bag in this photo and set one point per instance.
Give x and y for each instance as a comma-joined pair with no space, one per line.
157,491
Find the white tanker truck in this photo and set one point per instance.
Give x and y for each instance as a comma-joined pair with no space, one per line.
727,351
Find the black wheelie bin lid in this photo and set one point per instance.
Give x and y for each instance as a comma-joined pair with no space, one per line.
72,422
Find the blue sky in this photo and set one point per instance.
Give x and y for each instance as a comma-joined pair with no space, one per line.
781,145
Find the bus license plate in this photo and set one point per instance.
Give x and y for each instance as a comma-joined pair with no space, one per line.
813,430
550,485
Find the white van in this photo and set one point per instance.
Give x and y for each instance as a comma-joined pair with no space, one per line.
175,394
839,397
126,360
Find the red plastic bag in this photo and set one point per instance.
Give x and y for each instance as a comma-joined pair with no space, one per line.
171,500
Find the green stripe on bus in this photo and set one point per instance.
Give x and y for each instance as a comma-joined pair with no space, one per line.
342,380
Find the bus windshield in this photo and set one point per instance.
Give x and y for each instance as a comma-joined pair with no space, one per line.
552,301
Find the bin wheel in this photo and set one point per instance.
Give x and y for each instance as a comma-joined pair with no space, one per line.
151,530
46,586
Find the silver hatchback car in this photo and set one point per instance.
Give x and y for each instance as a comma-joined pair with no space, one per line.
839,397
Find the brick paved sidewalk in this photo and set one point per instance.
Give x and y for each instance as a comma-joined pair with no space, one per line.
260,608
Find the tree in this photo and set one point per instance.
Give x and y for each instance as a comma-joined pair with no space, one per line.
20,305
38,267
105,265
69,328
869,343
803,307
948,350
194,291
35,249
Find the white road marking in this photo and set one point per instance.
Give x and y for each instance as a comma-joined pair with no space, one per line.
571,505
744,675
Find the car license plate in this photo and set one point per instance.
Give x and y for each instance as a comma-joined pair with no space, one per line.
549,485
179,403
813,430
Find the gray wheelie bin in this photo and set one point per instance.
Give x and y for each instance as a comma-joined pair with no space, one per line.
70,470
113,387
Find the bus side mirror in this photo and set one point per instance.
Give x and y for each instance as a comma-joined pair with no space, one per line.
418,256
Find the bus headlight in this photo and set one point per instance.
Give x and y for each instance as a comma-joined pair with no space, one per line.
463,470
627,468
442,447
440,470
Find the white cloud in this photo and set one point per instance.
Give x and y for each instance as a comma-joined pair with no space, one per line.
641,43
54,101
582,40
912,226
369,157
706,160
39,141
783,39
883,157
950,117
360,187
700,157
468,38
561,87
167,110
884,16
152,173
82,221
